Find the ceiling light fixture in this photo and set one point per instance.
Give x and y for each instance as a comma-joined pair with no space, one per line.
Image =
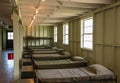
36,12
43,0
33,17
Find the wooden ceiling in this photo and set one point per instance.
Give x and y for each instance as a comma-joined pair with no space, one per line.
5,12
54,11
49,12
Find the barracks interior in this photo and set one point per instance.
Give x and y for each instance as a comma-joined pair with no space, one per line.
59,41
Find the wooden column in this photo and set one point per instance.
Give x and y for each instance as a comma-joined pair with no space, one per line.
17,44
0,39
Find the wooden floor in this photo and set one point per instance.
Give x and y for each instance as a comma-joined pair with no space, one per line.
6,67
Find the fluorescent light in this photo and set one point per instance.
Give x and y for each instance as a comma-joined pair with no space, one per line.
32,22
36,11
34,17
43,0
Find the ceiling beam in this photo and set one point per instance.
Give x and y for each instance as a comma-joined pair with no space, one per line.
80,5
91,1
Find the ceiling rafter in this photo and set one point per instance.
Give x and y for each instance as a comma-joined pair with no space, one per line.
55,11
91,1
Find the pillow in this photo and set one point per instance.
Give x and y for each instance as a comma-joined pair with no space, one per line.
60,50
77,58
91,69
54,48
65,53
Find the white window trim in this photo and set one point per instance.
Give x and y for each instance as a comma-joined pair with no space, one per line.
55,34
82,34
65,34
10,36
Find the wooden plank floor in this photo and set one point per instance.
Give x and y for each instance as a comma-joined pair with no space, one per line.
6,67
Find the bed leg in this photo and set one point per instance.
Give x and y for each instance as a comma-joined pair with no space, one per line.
36,80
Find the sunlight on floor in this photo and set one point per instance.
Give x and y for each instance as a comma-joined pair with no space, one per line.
6,67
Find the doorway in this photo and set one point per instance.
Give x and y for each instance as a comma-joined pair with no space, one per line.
9,38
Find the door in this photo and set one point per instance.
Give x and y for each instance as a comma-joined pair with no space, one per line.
9,43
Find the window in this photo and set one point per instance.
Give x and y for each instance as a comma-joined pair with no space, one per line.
10,35
87,33
65,33
55,34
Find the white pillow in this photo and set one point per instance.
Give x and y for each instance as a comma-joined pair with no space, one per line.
66,53
54,48
77,58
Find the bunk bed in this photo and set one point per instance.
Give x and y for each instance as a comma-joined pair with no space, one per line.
95,73
32,41
62,63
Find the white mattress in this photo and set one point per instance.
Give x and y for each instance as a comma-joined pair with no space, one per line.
93,72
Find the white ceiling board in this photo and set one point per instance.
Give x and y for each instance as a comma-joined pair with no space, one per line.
55,11
50,10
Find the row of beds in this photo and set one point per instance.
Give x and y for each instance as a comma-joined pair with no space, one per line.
53,65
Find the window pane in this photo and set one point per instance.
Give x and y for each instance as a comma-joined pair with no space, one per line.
86,23
91,22
87,33
88,45
10,35
88,29
65,33
88,26
55,38
87,37
66,29
66,39
55,34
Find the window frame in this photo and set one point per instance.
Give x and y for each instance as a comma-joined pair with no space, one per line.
83,33
66,33
55,34
10,36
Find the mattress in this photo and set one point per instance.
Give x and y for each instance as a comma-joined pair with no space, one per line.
94,72
50,56
62,63
47,49
39,47
44,51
